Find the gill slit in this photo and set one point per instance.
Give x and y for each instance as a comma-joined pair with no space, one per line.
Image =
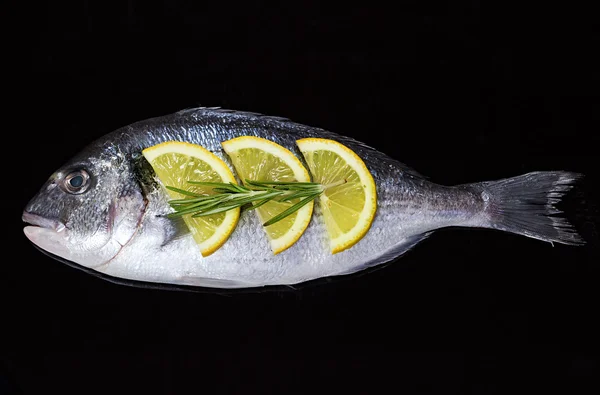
137,228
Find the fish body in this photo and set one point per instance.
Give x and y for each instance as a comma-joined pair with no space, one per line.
105,209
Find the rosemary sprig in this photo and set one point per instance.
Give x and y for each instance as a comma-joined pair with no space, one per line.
257,193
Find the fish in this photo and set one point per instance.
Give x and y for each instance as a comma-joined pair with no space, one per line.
105,210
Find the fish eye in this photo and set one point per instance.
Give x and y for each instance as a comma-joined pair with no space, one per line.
76,182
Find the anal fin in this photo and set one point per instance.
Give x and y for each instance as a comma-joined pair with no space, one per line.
392,253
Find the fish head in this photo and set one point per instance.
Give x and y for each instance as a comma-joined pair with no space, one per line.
88,209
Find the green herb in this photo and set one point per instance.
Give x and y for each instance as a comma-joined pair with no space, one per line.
229,196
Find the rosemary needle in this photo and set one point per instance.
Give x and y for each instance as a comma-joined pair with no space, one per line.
229,196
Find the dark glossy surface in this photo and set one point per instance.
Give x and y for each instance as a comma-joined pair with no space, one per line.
461,92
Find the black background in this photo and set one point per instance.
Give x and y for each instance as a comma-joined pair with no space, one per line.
461,91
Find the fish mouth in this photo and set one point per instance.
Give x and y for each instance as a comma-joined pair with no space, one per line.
43,222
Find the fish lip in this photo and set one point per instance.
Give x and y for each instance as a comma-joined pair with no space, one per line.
43,222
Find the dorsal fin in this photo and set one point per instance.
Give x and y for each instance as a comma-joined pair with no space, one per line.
218,110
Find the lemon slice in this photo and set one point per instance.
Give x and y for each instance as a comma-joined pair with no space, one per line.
259,159
350,206
175,163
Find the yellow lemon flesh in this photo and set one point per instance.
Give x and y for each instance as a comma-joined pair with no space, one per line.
175,163
259,159
349,207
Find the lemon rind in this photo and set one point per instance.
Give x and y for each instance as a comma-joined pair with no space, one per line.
304,215
216,241
349,239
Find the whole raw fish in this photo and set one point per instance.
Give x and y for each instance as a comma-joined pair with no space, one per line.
105,209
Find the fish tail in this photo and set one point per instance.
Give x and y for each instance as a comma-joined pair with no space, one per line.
525,205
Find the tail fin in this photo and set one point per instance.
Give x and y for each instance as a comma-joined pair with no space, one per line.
525,205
